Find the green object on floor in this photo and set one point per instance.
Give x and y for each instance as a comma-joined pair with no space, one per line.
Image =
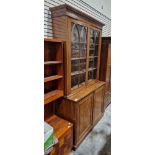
49,142
48,136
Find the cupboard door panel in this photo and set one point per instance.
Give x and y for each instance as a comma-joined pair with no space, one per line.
98,104
85,116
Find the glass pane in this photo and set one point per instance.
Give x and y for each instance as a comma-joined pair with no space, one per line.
96,42
92,37
92,52
92,43
83,35
83,65
82,79
75,65
82,53
91,63
94,74
75,53
90,75
96,50
96,37
75,42
75,35
74,82
83,41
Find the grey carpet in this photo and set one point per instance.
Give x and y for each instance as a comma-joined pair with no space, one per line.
98,142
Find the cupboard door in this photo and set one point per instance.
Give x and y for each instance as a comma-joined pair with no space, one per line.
85,116
98,104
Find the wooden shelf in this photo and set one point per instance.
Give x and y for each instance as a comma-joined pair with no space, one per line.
51,78
79,42
93,57
53,95
52,62
81,58
94,44
57,40
83,71
78,48
78,72
91,69
92,48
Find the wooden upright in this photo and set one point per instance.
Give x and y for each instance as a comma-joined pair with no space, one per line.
105,69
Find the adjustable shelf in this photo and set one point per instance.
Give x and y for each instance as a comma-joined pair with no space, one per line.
53,95
91,69
52,62
54,40
77,72
51,78
81,58
93,57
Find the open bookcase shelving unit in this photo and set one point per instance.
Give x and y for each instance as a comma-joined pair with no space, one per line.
53,93
53,70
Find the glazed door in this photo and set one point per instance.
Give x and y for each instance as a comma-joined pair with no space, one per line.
93,54
78,55
84,54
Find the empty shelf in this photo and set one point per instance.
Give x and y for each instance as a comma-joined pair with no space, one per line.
57,40
78,72
53,95
52,62
81,58
51,78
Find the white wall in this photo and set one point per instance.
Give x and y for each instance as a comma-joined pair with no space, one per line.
90,7
104,6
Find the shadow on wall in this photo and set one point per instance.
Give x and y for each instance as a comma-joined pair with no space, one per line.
106,150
